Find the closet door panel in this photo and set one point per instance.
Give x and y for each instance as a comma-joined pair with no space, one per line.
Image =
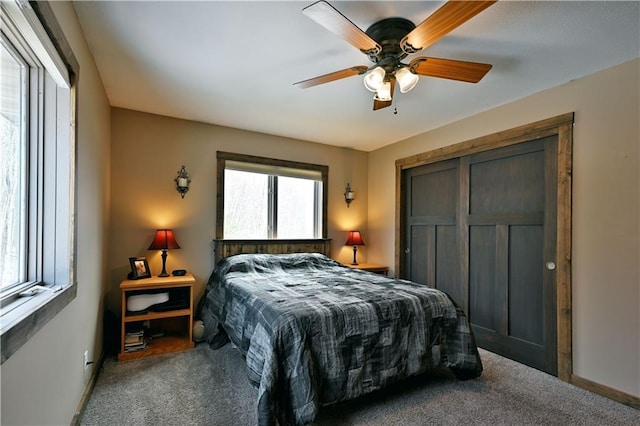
422,254
434,192
507,185
448,263
525,283
484,294
434,258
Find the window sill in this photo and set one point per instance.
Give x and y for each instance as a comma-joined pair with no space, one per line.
19,324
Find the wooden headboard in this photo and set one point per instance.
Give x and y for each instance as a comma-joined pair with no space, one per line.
224,248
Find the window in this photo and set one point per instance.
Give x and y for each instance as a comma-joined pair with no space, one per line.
37,253
13,191
298,208
270,199
246,213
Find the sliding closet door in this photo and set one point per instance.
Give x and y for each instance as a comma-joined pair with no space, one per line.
511,197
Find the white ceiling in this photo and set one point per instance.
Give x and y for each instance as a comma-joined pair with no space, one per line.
233,63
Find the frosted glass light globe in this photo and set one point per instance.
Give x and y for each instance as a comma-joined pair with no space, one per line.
374,79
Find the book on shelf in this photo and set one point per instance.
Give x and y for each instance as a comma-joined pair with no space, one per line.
134,348
134,340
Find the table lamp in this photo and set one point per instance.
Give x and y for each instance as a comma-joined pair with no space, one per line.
354,239
164,240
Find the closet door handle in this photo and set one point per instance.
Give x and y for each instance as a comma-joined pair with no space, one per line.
551,266
407,250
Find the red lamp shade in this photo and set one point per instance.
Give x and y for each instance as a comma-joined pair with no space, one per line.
164,240
354,239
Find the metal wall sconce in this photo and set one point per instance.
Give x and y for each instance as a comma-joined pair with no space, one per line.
348,195
182,181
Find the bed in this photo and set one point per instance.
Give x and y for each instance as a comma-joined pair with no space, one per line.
314,332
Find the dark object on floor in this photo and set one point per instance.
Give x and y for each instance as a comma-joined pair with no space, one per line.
111,333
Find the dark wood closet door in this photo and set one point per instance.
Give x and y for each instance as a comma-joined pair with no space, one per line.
512,195
482,228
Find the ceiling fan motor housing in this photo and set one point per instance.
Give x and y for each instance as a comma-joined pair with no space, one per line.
388,33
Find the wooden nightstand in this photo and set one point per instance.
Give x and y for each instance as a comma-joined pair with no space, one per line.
167,330
371,267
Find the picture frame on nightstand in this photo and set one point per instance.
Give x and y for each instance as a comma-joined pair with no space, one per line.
139,268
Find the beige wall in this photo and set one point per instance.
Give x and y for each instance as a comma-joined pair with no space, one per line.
606,279
147,152
43,382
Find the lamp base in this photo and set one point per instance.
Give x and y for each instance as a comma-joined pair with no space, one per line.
164,262
355,250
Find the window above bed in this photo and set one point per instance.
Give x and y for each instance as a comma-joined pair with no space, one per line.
263,198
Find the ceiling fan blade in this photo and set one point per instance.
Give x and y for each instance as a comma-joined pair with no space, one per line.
333,76
380,104
330,18
383,104
471,72
441,22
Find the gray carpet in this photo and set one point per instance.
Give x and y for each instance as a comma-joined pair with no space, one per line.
207,387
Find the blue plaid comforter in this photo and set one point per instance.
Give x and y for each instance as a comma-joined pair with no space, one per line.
314,332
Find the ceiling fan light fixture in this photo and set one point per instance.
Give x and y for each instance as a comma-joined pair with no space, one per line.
374,79
384,92
390,40
406,79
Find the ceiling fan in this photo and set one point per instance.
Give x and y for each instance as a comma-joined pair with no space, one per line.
390,40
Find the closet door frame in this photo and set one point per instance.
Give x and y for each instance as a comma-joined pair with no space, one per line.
562,126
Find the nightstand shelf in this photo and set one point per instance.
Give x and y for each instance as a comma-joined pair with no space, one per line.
176,325
371,267
161,345
158,315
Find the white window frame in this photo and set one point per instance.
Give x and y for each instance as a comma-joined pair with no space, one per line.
50,281
273,168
